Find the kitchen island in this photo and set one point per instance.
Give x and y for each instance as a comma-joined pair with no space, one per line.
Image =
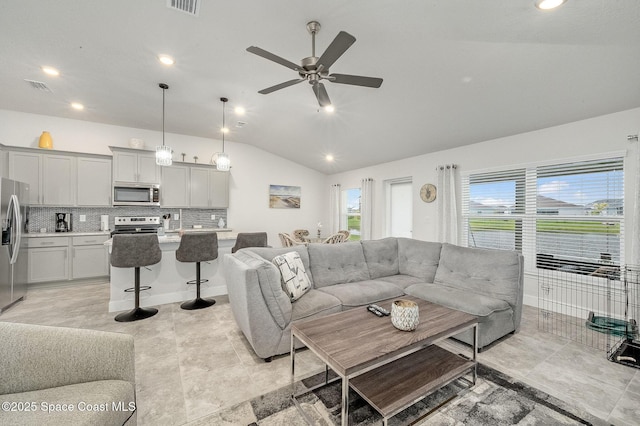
168,279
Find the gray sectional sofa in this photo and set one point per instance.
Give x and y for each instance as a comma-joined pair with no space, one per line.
66,376
482,282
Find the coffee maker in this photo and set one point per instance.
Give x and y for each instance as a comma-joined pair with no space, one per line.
63,222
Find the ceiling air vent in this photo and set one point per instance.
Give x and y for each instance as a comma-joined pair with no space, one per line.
241,123
39,85
192,7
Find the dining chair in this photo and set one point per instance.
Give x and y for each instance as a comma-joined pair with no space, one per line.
335,239
301,235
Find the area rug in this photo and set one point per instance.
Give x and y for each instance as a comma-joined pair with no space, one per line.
496,399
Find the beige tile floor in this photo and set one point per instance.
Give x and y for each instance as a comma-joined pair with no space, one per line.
194,363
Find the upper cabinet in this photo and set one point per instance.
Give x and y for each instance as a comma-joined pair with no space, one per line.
94,181
194,185
209,188
134,165
26,167
62,179
174,190
58,180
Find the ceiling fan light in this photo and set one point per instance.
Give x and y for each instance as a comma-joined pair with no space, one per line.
549,4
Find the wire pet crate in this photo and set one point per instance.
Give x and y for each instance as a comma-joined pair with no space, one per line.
585,307
626,348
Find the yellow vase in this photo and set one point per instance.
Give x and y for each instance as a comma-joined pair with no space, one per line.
45,141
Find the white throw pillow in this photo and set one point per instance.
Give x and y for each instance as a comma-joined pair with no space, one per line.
295,281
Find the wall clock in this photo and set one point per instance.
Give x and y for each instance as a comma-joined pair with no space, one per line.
428,193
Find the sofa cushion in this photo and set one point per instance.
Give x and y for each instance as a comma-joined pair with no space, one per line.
270,283
381,256
458,299
313,304
400,280
268,253
418,258
337,263
493,273
363,292
295,281
91,396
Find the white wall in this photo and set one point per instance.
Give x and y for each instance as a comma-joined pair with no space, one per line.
251,173
588,137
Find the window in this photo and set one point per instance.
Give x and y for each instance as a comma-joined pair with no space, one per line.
350,217
567,216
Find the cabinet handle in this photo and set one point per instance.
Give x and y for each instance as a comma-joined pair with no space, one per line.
90,241
46,243
74,252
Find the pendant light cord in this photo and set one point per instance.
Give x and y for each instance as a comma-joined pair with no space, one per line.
224,104
164,87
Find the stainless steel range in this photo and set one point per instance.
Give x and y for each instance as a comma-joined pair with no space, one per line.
136,225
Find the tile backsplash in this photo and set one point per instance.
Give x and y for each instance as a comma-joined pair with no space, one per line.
44,217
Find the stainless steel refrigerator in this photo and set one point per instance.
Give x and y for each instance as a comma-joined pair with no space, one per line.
14,218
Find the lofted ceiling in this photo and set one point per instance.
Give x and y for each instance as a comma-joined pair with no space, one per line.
455,72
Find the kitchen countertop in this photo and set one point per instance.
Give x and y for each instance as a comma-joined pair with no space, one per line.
82,234
64,234
173,236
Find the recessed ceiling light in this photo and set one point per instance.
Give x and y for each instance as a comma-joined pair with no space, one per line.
329,108
329,157
77,105
549,4
166,59
224,130
239,110
50,70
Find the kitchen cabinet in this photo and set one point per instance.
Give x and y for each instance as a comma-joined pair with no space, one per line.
58,180
93,182
62,179
67,258
134,165
26,167
48,259
90,257
209,188
175,186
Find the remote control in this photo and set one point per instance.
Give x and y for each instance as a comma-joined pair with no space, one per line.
374,311
380,309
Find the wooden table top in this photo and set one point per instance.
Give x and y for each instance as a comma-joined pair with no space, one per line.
351,341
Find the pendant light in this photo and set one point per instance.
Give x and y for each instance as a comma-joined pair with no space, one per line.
163,153
222,161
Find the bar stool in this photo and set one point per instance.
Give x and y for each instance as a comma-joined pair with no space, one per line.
250,239
198,247
135,251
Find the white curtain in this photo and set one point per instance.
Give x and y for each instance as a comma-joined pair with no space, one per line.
635,243
446,200
366,209
334,205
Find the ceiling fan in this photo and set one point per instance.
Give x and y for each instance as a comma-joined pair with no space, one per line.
315,69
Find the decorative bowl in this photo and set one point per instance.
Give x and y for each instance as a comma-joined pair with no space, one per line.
136,143
404,315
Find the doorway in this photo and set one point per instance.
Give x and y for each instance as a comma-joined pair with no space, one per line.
399,207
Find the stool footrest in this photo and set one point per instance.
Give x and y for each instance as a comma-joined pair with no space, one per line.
191,282
133,289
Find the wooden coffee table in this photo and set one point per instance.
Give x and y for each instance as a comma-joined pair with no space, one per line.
389,368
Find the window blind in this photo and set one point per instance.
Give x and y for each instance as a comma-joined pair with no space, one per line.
567,216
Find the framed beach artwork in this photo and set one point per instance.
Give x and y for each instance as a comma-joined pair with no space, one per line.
284,197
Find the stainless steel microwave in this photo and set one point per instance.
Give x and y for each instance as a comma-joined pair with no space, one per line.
136,194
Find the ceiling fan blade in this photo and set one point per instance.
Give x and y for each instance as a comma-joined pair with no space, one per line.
338,46
280,86
275,58
321,94
356,80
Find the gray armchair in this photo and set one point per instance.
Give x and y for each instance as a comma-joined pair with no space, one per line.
91,371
